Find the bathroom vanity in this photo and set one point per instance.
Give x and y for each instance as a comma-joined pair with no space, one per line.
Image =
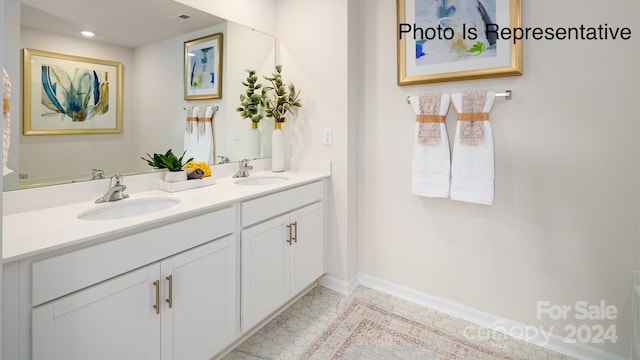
187,281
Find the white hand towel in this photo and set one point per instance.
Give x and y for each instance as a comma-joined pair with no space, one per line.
6,124
472,168
191,133
205,136
431,157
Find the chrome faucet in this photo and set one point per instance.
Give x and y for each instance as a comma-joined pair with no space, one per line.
244,169
97,174
223,159
115,192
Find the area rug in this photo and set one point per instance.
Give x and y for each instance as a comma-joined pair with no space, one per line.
365,331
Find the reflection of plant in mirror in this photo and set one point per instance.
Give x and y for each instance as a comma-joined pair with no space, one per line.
167,161
281,99
80,98
252,100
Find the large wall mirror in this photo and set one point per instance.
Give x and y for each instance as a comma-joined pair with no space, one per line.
147,37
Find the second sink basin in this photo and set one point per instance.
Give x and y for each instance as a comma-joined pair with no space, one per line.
128,207
261,180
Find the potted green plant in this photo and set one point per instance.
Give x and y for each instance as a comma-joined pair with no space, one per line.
170,162
281,99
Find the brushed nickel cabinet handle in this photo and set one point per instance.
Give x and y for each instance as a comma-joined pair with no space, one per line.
290,239
157,305
170,299
295,233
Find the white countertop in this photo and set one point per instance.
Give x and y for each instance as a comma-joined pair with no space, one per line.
31,233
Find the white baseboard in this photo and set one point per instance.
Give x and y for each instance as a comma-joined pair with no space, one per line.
555,343
339,286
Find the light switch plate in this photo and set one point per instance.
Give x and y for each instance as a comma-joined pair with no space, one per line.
327,137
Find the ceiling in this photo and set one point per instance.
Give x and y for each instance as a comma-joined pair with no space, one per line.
128,23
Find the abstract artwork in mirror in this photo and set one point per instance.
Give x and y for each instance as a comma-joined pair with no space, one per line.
203,68
66,94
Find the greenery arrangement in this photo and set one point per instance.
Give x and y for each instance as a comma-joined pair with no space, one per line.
167,161
252,100
280,97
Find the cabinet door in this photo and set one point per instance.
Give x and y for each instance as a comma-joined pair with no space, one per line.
114,319
264,270
307,252
199,317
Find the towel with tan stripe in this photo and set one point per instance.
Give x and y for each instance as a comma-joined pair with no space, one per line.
205,148
431,157
191,132
472,167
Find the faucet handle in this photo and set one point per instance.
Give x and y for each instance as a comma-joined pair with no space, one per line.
116,179
97,174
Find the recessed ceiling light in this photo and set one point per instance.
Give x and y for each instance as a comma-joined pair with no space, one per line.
87,33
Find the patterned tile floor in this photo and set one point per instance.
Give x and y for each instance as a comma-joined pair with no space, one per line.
292,332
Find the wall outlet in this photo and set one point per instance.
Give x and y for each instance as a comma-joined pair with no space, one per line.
327,137
236,134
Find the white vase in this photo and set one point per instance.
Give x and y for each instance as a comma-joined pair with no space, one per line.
254,141
175,176
277,149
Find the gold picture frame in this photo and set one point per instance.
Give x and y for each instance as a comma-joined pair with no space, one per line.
67,94
437,56
203,68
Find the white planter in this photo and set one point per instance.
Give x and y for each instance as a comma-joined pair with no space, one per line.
277,150
175,176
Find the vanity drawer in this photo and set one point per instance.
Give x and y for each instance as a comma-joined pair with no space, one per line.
254,211
66,273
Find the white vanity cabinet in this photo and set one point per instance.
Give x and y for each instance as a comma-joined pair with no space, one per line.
183,305
282,249
179,308
189,285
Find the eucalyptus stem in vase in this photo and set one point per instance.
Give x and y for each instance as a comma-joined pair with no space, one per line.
251,100
281,99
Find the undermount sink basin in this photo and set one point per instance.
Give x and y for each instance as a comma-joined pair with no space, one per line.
128,208
261,180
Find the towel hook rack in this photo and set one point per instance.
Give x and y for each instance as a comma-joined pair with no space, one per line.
507,95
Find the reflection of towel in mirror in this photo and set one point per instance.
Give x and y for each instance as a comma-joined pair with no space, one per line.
191,132
472,167
431,158
6,123
204,149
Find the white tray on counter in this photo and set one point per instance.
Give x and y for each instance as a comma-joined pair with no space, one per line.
185,185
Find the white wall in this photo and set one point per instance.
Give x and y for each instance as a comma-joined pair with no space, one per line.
256,14
314,50
564,226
